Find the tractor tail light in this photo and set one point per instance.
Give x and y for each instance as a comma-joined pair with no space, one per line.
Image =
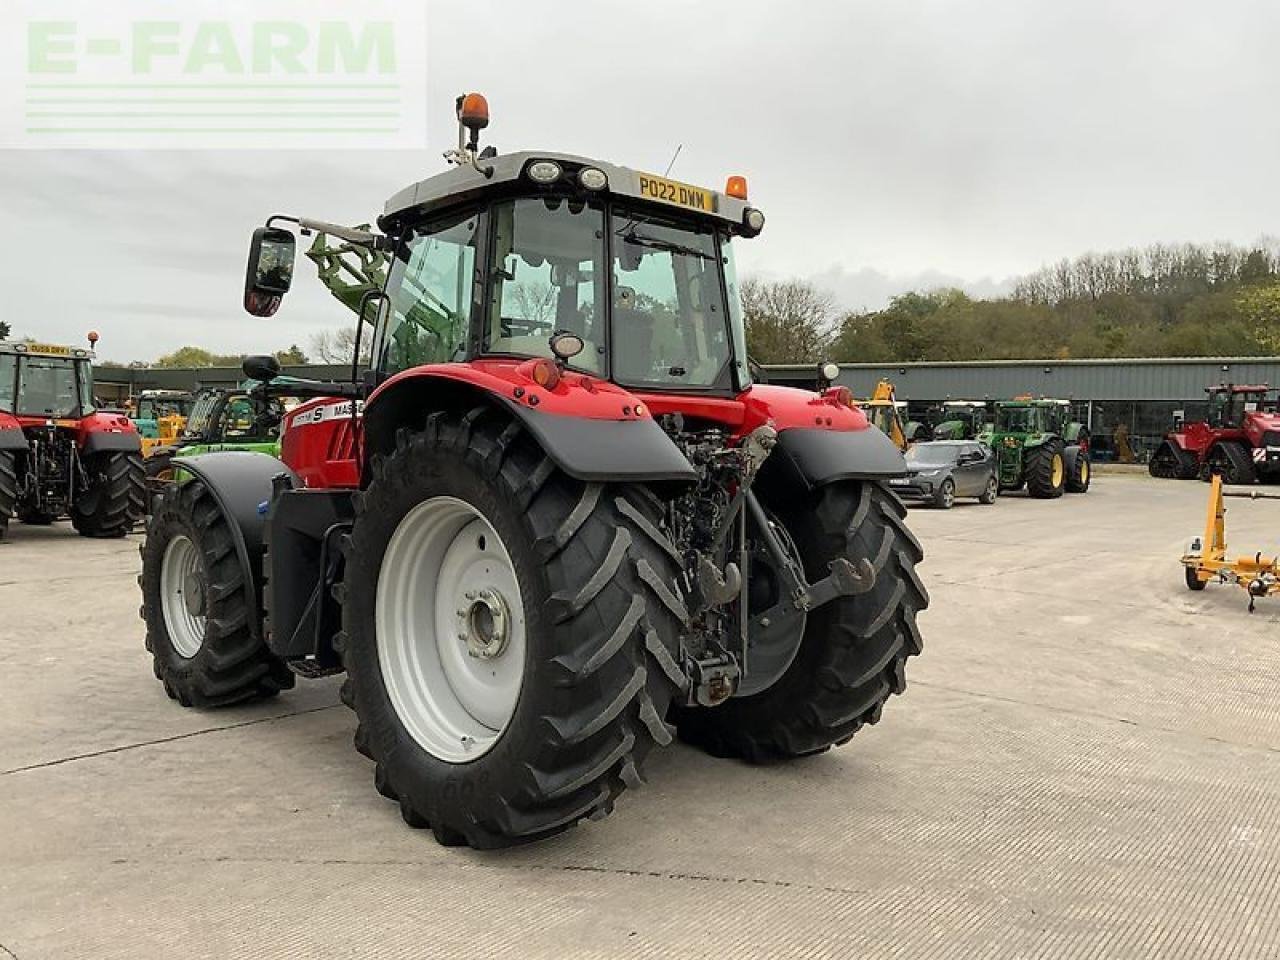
545,374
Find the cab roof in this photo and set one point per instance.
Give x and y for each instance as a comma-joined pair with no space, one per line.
462,185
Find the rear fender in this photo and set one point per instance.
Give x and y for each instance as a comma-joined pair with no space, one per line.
108,433
591,429
241,484
806,459
11,435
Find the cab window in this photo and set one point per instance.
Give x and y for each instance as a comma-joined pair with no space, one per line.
430,286
547,274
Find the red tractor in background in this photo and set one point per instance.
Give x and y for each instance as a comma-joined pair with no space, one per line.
58,455
1240,440
554,523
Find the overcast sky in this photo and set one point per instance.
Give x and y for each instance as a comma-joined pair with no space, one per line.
892,144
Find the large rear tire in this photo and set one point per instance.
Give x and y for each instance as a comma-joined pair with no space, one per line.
1046,470
197,605
116,497
854,651
8,488
584,579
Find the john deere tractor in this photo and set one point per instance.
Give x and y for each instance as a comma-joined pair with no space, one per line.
1039,447
962,420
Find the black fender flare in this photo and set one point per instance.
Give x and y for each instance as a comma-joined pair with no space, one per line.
241,483
104,441
636,451
805,459
12,438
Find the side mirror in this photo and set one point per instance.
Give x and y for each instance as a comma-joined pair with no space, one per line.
263,368
270,270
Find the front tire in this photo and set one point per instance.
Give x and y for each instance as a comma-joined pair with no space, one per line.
198,606
1046,470
854,651
592,590
115,499
1193,581
945,498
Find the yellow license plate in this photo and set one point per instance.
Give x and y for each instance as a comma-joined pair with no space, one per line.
680,194
49,348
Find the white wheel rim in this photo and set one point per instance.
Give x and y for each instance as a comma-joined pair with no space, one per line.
183,611
450,629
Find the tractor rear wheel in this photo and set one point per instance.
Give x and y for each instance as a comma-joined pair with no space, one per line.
1079,469
1232,461
116,497
8,488
854,651
1046,470
198,607
509,633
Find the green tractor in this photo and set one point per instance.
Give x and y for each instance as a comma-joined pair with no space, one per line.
1039,446
221,418
962,420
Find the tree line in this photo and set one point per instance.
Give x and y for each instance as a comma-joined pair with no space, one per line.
1162,300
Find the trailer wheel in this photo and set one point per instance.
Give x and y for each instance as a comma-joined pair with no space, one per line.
8,488
116,497
509,633
1046,471
197,607
854,651
1193,581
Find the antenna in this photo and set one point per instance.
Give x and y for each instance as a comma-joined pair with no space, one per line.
679,147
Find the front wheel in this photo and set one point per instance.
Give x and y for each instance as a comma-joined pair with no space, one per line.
198,607
945,498
1193,580
115,498
509,633
853,654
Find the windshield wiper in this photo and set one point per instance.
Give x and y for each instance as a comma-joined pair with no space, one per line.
668,246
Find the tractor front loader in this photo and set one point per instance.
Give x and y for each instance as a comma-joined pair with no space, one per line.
553,523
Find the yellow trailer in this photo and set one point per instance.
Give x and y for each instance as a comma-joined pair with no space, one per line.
1206,560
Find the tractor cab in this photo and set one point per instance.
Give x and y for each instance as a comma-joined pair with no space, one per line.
593,268
1230,403
42,382
1031,416
961,419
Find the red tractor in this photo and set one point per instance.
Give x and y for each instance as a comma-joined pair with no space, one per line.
555,523
58,455
1240,441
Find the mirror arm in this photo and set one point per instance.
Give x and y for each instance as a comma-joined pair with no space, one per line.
307,226
369,297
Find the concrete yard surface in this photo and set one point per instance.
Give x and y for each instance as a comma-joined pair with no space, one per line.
1086,763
